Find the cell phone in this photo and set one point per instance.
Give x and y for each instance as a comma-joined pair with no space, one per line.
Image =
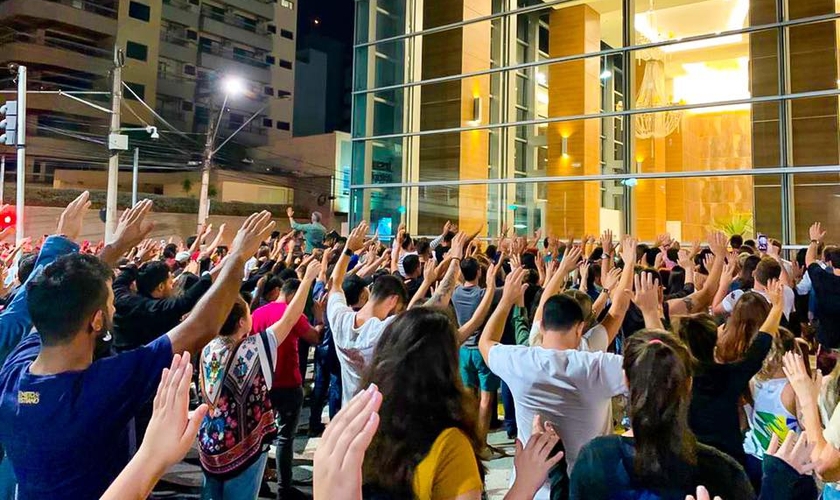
762,242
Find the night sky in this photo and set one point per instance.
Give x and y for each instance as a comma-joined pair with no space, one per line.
334,19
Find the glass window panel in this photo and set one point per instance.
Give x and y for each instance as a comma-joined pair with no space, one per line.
815,131
816,198
663,20
797,9
714,138
812,59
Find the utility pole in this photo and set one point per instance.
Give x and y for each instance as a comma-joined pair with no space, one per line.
205,174
114,149
21,151
134,171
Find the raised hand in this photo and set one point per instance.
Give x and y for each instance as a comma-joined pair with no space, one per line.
795,451
290,212
685,260
607,242
775,292
171,430
133,226
570,259
490,277
611,279
702,494
628,250
313,269
341,452
647,292
429,272
717,243
534,461
807,389
458,244
514,287
70,222
251,235
816,233
356,240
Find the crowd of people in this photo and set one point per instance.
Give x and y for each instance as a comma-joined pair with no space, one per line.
625,370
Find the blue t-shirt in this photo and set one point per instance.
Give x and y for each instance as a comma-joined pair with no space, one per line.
67,434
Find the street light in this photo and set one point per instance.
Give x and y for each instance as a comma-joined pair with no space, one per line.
232,86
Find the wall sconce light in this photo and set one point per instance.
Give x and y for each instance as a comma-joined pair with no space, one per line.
564,147
476,111
639,165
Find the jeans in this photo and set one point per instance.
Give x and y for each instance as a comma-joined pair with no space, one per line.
303,357
327,388
287,403
510,412
243,486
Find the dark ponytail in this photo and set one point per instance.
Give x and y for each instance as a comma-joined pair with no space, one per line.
659,368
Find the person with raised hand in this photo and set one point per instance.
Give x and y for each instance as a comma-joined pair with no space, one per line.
64,418
717,387
171,434
661,457
15,320
313,232
236,380
132,228
825,284
569,387
356,333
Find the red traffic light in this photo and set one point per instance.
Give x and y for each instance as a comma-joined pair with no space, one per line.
8,217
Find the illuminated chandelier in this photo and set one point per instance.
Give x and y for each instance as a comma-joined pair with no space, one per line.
652,92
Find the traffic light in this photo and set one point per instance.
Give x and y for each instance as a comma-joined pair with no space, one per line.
9,123
8,217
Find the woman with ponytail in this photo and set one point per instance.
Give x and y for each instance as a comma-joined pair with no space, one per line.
660,457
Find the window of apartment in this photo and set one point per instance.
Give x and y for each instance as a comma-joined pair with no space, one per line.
186,106
165,66
192,35
272,29
136,50
138,89
189,69
236,120
139,11
287,4
283,93
285,64
287,34
270,60
268,91
284,126
268,122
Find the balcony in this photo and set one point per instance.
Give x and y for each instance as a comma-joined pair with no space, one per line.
261,8
87,15
174,47
225,61
234,28
174,86
52,51
247,105
181,11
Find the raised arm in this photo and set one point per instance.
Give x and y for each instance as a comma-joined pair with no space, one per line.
483,309
208,251
647,299
294,309
723,287
817,234
396,249
429,279
555,284
213,308
495,327
702,299
355,241
447,285
131,230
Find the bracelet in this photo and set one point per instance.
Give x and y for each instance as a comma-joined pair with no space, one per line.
815,241
348,252
605,290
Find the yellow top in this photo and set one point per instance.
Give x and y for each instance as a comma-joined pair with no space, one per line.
449,470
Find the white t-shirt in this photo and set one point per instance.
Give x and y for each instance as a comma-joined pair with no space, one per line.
595,339
730,300
354,346
571,389
250,265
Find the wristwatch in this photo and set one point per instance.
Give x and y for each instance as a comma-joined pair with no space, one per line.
348,252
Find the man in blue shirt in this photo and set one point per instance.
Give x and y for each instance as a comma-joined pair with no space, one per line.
63,416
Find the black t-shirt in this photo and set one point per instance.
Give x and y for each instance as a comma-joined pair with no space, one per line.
604,471
715,392
826,287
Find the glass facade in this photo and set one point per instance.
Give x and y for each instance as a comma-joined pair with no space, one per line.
641,116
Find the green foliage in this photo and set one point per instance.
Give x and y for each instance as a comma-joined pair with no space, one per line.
738,223
186,186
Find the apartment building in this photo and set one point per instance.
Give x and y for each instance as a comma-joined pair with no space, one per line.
176,54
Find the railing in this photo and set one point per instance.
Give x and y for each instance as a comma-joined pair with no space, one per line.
230,54
175,38
233,20
94,7
181,4
55,42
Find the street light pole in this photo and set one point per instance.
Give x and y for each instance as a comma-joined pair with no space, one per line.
134,172
114,159
205,174
21,152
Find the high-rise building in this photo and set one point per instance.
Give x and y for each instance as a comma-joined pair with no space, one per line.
577,116
176,54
